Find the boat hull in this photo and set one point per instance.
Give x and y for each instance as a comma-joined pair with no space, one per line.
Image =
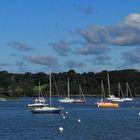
2,99
66,100
79,101
44,111
108,105
128,99
49,110
115,99
37,105
118,100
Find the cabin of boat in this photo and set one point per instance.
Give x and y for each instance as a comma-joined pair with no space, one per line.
40,99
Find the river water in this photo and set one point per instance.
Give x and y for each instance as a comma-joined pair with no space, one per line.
18,123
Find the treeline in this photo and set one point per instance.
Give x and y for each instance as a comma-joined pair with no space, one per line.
27,84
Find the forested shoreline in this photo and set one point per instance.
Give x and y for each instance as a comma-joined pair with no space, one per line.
15,85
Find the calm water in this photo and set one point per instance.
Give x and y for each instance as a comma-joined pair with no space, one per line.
18,123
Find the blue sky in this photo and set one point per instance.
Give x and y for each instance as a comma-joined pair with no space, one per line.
84,35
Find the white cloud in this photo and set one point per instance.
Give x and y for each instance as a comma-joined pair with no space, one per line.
42,60
132,57
61,47
20,46
74,64
94,34
132,20
97,40
91,49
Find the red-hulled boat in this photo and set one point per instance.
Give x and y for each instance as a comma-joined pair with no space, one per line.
81,97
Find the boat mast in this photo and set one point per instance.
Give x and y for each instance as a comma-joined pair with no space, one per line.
127,89
82,94
68,89
39,89
119,90
102,90
122,95
50,86
108,84
79,91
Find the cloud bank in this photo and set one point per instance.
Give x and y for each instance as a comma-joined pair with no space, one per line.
126,33
42,60
61,47
74,64
22,47
97,39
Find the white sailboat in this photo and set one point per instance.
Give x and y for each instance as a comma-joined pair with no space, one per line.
47,109
2,99
128,90
81,97
40,101
111,97
120,94
67,99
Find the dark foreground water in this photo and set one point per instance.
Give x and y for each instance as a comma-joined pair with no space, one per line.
18,123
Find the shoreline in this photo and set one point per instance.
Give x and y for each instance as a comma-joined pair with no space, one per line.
18,97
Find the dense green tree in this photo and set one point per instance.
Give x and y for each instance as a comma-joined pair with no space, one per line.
27,84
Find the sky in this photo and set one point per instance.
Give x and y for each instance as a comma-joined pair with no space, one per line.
83,35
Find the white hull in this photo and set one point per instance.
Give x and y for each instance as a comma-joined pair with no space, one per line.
128,99
66,100
37,105
2,99
115,99
79,101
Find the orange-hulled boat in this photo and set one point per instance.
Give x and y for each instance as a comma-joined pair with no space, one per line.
108,104
105,103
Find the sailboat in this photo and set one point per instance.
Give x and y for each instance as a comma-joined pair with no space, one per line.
128,90
81,97
2,99
120,94
40,98
111,97
105,103
67,99
49,108
40,101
